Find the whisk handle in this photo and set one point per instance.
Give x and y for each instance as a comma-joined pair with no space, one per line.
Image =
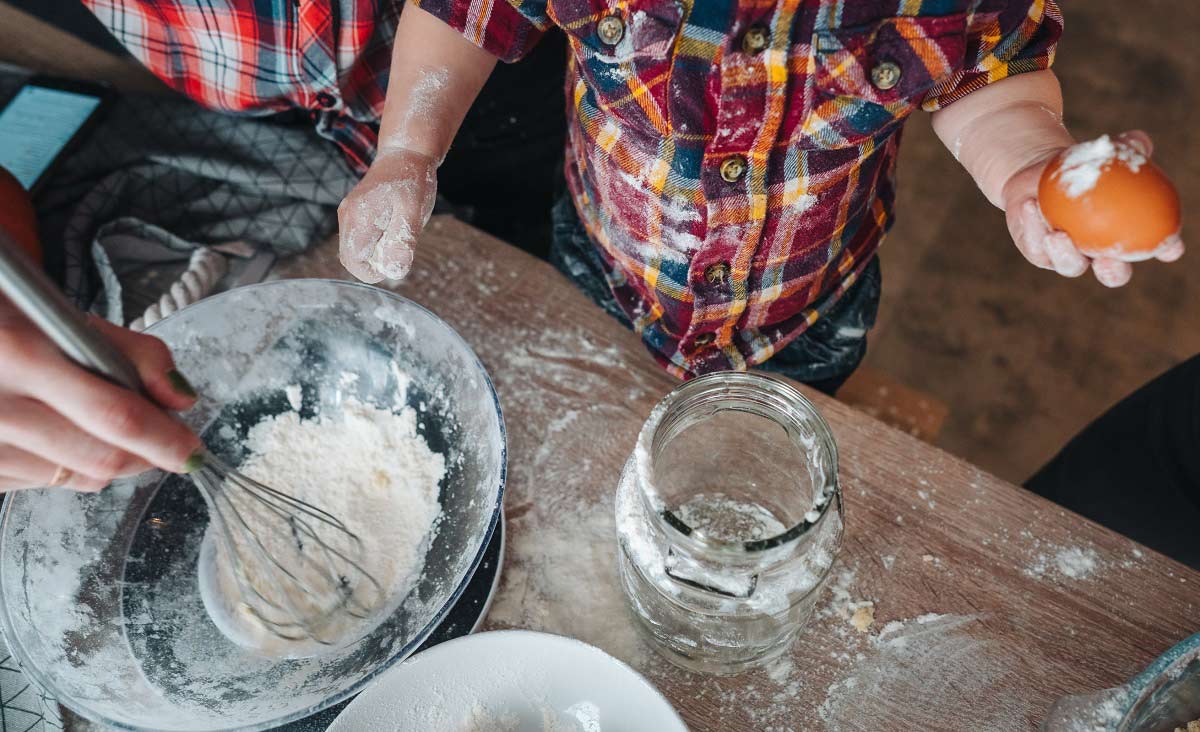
32,292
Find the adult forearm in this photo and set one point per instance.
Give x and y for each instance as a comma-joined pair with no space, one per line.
435,76
1004,128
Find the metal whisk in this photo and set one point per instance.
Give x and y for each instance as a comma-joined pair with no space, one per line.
293,563
293,592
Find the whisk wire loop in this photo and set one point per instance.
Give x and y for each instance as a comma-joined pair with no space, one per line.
273,498
221,468
294,629
317,559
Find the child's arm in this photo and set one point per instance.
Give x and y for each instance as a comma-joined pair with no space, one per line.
435,76
1004,134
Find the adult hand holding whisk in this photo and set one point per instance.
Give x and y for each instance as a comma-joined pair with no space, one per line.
63,426
291,586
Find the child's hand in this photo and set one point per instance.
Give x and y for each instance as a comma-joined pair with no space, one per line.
435,75
382,217
1054,249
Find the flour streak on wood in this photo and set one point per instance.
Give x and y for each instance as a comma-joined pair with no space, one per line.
926,532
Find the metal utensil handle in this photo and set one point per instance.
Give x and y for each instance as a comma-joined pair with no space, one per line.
32,292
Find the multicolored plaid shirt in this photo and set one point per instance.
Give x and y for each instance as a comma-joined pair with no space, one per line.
734,161
330,57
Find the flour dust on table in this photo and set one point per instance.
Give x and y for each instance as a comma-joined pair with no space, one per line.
566,575
1063,562
933,656
366,466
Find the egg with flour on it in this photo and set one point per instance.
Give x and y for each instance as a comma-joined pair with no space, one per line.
1110,199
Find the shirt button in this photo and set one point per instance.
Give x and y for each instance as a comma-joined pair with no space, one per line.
717,273
326,100
733,168
885,75
704,339
611,30
755,40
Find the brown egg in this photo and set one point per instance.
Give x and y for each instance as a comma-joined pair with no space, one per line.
1110,199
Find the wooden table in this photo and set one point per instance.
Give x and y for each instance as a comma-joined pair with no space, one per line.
989,603
926,533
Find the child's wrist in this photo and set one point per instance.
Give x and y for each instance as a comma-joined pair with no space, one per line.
399,146
996,147
1016,163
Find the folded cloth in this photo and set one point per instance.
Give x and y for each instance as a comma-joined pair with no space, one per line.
170,176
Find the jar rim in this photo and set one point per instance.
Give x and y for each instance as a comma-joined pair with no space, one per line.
778,395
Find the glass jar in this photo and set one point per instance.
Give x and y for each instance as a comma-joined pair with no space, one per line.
729,517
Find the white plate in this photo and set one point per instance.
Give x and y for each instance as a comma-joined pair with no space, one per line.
510,681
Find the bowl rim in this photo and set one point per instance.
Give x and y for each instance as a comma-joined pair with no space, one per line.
42,679
1141,688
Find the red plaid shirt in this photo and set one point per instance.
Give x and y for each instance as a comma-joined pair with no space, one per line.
734,161
327,56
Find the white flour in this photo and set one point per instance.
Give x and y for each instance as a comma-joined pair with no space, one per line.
934,657
1076,563
366,466
566,574
1082,165
728,519
295,396
582,717
1072,562
428,87
480,719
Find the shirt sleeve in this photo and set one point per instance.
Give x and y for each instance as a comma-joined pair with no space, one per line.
508,29
1004,38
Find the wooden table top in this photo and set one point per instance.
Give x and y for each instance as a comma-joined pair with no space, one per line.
989,602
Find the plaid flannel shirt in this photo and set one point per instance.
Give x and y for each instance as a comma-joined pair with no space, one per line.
734,161
330,57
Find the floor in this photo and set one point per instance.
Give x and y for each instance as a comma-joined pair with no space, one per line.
1021,358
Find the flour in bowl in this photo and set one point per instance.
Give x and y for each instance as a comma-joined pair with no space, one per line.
368,467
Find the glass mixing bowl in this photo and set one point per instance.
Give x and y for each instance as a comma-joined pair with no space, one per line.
98,592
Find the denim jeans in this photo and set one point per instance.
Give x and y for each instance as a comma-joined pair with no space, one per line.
823,356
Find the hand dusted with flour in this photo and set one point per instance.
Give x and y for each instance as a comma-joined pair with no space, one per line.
431,87
1009,136
383,216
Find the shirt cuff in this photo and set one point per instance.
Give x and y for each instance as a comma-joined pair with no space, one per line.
1019,38
506,29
